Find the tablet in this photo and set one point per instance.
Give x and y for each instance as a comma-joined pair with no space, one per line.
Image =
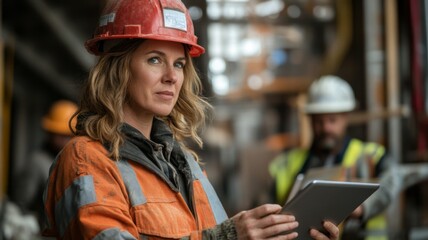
324,200
333,173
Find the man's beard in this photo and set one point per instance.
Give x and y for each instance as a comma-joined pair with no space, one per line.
327,143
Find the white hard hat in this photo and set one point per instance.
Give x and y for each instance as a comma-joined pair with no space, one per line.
330,94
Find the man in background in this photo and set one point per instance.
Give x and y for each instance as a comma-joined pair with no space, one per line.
330,100
28,187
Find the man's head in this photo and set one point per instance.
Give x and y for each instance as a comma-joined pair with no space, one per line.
328,130
330,99
57,123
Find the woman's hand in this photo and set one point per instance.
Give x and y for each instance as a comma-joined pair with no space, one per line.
333,232
264,222
358,212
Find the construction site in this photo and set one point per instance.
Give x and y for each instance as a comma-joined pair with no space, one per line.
261,59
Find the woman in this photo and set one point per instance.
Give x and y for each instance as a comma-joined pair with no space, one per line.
128,174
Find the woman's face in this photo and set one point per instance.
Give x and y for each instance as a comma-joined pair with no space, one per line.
157,74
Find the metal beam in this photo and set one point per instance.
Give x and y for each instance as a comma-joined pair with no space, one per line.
3,128
61,83
62,29
392,76
374,60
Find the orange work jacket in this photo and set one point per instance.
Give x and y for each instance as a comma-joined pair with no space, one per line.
90,196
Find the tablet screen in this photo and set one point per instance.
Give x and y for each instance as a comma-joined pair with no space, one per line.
324,200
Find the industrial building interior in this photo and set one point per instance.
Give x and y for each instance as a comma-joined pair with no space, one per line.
261,56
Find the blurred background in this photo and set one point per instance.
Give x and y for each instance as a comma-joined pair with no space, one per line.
261,56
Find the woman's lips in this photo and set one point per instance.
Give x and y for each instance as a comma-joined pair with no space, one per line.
166,95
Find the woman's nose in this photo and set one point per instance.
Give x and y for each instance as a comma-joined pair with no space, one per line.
170,75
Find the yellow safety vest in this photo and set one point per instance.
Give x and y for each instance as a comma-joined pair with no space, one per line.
286,166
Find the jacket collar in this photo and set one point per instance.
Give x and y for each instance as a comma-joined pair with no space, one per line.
140,149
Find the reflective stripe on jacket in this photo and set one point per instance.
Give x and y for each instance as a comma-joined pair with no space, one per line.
90,196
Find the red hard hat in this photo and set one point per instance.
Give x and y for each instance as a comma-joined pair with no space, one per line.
167,20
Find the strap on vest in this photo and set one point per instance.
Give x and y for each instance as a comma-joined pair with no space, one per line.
285,169
357,151
375,150
353,153
376,228
362,156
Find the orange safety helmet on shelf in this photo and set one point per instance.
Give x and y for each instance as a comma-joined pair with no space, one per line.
56,120
167,20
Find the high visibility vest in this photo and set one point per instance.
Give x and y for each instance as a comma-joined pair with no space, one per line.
286,166
89,196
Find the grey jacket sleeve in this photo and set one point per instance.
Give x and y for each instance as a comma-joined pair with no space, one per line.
381,199
393,180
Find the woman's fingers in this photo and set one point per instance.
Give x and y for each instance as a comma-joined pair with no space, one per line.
289,236
264,210
277,220
286,229
278,231
264,222
332,229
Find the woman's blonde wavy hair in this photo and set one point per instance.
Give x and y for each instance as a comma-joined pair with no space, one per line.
100,113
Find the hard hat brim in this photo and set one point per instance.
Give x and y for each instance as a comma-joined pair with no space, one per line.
329,108
56,127
93,45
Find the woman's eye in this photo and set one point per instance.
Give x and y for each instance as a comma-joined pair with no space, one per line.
180,64
154,60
